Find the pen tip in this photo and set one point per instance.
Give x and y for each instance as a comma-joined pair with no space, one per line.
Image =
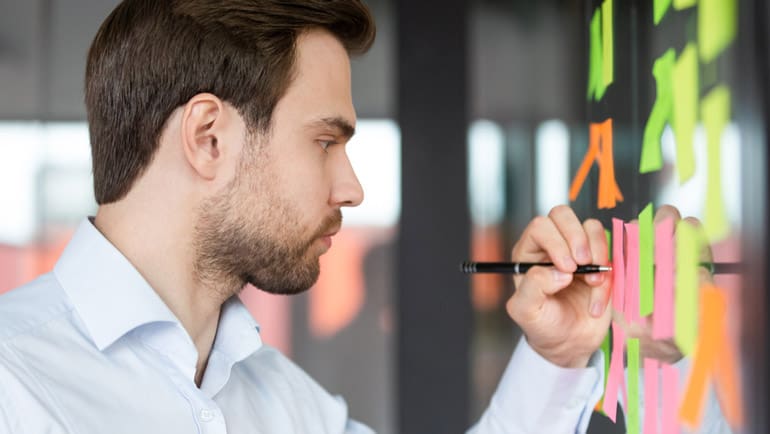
605,268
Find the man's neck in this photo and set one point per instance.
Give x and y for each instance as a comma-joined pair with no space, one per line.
160,249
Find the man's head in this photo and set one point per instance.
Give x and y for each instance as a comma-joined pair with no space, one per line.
249,93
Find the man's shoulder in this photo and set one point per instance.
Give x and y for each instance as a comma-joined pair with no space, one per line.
30,306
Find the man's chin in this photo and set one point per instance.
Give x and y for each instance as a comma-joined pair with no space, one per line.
284,286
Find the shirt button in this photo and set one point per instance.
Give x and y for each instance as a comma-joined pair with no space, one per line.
207,415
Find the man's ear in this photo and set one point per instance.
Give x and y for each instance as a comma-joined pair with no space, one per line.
203,126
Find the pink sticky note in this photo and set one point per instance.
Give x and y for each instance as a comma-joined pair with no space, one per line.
663,318
615,377
632,274
618,266
651,367
670,423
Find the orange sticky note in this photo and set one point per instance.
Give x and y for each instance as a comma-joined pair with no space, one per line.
713,309
599,150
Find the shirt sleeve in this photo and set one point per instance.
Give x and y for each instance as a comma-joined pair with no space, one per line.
536,396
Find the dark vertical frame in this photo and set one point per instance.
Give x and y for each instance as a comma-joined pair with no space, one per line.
433,304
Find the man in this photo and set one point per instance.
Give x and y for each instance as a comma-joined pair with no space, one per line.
218,135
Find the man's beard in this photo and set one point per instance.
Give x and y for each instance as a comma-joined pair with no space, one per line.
267,249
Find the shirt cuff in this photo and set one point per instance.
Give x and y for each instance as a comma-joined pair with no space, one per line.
536,396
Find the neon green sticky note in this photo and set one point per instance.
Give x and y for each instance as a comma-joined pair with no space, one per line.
652,158
632,409
686,290
605,348
685,114
595,81
717,27
646,261
659,9
608,44
684,4
715,112
608,235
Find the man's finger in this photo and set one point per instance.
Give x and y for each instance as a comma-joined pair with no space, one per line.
542,238
600,290
665,212
572,231
533,291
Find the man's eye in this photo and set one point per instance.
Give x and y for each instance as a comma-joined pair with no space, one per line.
325,143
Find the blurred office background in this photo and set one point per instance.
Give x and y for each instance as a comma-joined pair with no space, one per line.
473,118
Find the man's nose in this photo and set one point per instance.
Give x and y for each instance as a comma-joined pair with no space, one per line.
346,191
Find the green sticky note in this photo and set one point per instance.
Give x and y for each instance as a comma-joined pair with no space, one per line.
646,261
715,112
685,111
659,8
684,4
717,27
608,235
652,158
595,86
608,45
606,350
686,289
632,409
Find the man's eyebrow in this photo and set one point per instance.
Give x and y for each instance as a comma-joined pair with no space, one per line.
346,129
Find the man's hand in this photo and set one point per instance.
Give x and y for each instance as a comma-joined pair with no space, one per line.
563,316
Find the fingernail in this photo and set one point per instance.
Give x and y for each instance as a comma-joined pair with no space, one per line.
583,254
595,278
596,309
561,277
569,262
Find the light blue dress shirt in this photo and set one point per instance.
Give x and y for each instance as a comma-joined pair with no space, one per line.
91,348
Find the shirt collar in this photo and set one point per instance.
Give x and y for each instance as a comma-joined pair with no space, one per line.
108,293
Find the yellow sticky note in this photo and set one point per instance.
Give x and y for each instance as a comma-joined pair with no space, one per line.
684,4
685,111
646,261
717,27
686,290
715,112
652,157
659,8
608,44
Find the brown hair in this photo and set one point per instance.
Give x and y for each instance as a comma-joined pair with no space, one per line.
151,56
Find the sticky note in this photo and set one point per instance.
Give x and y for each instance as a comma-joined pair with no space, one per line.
606,351
618,266
609,192
686,295
632,408
646,261
663,320
717,27
615,377
670,416
599,150
608,44
685,115
728,383
713,309
684,4
659,9
632,273
652,157
651,370
715,112
596,85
